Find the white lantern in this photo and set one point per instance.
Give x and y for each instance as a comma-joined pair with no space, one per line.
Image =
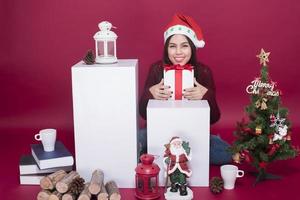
106,47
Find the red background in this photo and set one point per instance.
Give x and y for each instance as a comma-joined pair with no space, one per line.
41,40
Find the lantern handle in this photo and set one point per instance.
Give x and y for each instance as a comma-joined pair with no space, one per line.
106,26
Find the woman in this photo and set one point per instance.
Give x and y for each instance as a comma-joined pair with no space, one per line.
182,37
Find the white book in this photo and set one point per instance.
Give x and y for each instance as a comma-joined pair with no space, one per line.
31,179
27,165
60,157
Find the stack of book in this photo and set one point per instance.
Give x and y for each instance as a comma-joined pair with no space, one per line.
41,163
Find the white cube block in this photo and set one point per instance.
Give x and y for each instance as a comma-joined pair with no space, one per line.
188,120
105,120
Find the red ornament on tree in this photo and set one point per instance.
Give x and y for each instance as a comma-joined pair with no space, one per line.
146,178
248,158
273,149
263,165
272,118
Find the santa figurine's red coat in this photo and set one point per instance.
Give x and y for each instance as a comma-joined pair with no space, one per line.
177,162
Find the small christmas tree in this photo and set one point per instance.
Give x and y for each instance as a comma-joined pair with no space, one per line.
267,135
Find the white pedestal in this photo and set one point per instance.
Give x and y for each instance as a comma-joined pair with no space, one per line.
105,120
188,120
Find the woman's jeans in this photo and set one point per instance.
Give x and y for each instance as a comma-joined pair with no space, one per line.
218,154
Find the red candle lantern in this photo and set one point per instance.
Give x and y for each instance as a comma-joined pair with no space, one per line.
146,178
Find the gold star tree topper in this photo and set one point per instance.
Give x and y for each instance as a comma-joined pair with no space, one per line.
263,57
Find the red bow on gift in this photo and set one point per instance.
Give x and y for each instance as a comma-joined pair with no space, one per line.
178,77
178,67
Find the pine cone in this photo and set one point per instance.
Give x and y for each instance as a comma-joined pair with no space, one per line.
77,186
216,185
89,58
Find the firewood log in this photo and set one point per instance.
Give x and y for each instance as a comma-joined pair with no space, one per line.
43,195
69,196
96,181
62,186
103,193
49,182
112,190
85,194
55,196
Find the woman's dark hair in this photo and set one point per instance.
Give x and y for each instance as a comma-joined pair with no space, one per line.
192,61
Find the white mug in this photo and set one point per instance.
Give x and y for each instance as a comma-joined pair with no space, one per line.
229,174
48,138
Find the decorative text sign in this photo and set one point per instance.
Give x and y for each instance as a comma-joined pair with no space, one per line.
258,84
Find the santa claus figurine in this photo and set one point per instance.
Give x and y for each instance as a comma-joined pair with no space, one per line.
177,155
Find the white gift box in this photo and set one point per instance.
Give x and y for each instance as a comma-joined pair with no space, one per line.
187,80
105,120
189,120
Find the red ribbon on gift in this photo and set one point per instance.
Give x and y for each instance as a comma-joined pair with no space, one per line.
178,67
178,77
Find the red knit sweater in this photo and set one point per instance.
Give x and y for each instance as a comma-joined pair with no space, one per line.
203,76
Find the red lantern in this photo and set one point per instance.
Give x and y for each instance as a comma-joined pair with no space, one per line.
146,178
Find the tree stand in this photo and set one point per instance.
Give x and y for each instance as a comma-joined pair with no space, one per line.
261,175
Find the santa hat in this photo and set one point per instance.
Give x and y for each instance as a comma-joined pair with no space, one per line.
175,139
185,25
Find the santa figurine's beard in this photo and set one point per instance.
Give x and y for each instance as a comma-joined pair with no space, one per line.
177,151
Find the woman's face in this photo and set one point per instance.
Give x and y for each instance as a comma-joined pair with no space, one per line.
179,50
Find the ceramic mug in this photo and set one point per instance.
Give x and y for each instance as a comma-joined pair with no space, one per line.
229,174
48,138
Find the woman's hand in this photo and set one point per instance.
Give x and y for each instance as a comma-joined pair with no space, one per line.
195,93
160,91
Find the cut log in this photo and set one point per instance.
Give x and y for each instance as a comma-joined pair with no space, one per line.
62,186
103,195
43,195
55,196
69,196
96,181
113,190
49,182
85,194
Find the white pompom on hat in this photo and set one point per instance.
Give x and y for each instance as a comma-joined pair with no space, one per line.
185,25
